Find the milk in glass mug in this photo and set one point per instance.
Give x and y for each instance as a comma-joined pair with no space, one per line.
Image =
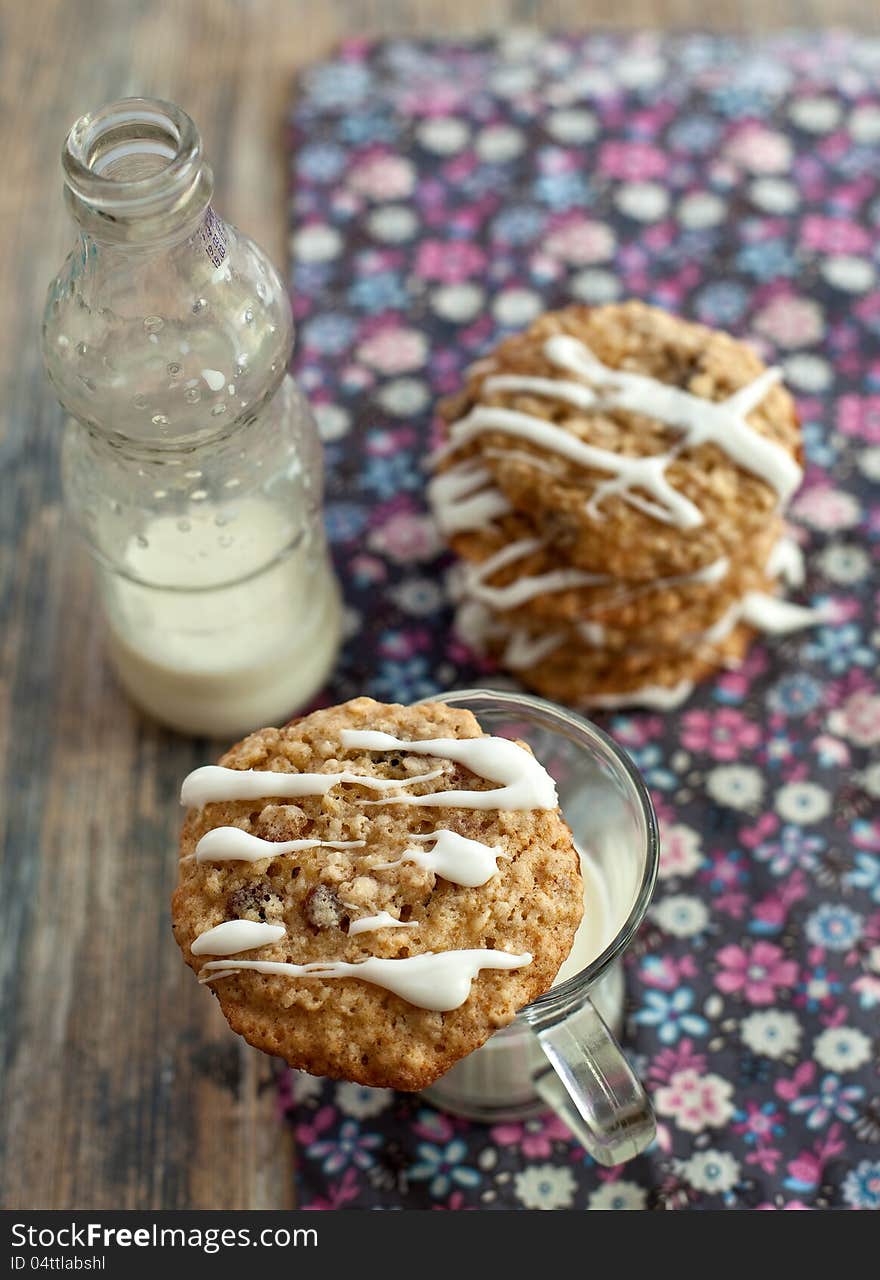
559,1051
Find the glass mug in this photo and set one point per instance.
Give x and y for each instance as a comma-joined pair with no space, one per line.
559,1052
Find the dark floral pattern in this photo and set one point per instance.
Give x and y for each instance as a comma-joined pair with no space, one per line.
443,195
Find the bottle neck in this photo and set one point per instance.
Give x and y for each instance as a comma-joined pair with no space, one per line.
135,174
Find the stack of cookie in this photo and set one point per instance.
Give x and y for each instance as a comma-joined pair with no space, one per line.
614,481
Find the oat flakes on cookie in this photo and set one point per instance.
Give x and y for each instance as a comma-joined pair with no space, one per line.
614,478
373,890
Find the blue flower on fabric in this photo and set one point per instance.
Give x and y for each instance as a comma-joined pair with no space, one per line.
442,1168
384,291
694,133
834,1101
866,874
672,1015
841,648
735,100
404,681
519,224
766,260
649,761
344,521
834,927
562,190
861,1186
320,162
349,1147
368,126
795,695
817,444
793,848
338,84
330,333
389,474
722,303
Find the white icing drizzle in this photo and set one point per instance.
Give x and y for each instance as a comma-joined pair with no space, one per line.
440,981
525,649
786,561
213,782
465,498
777,617
233,936
456,858
231,844
657,697
525,784
723,424
382,920
517,593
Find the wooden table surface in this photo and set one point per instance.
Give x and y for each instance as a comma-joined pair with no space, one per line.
121,1087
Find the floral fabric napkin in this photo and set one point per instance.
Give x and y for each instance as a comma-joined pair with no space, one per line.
442,195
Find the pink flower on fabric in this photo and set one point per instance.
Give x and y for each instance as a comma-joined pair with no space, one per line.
827,509
632,161
834,235
859,416
858,719
758,973
790,321
759,150
394,350
694,1101
581,241
450,261
534,1138
724,734
383,177
405,538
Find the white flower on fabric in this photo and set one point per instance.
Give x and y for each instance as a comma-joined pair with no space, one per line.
444,135
849,274
594,286
844,563
808,372
774,195
544,1186
510,82
618,1195
803,802
639,71
571,125
864,124
516,307
317,243
701,209
333,421
680,852
868,463
418,596
457,302
738,786
404,396
712,1171
499,142
771,1033
643,201
870,779
359,1101
304,1087
815,115
842,1049
393,223
681,916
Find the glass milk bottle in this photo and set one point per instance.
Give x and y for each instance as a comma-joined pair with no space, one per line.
191,461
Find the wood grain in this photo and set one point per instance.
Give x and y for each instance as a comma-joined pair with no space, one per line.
121,1087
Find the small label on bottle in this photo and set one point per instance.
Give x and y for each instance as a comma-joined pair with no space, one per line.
213,237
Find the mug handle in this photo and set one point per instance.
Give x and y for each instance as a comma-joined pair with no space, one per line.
592,1087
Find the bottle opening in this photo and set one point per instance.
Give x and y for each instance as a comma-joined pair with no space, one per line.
136,159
